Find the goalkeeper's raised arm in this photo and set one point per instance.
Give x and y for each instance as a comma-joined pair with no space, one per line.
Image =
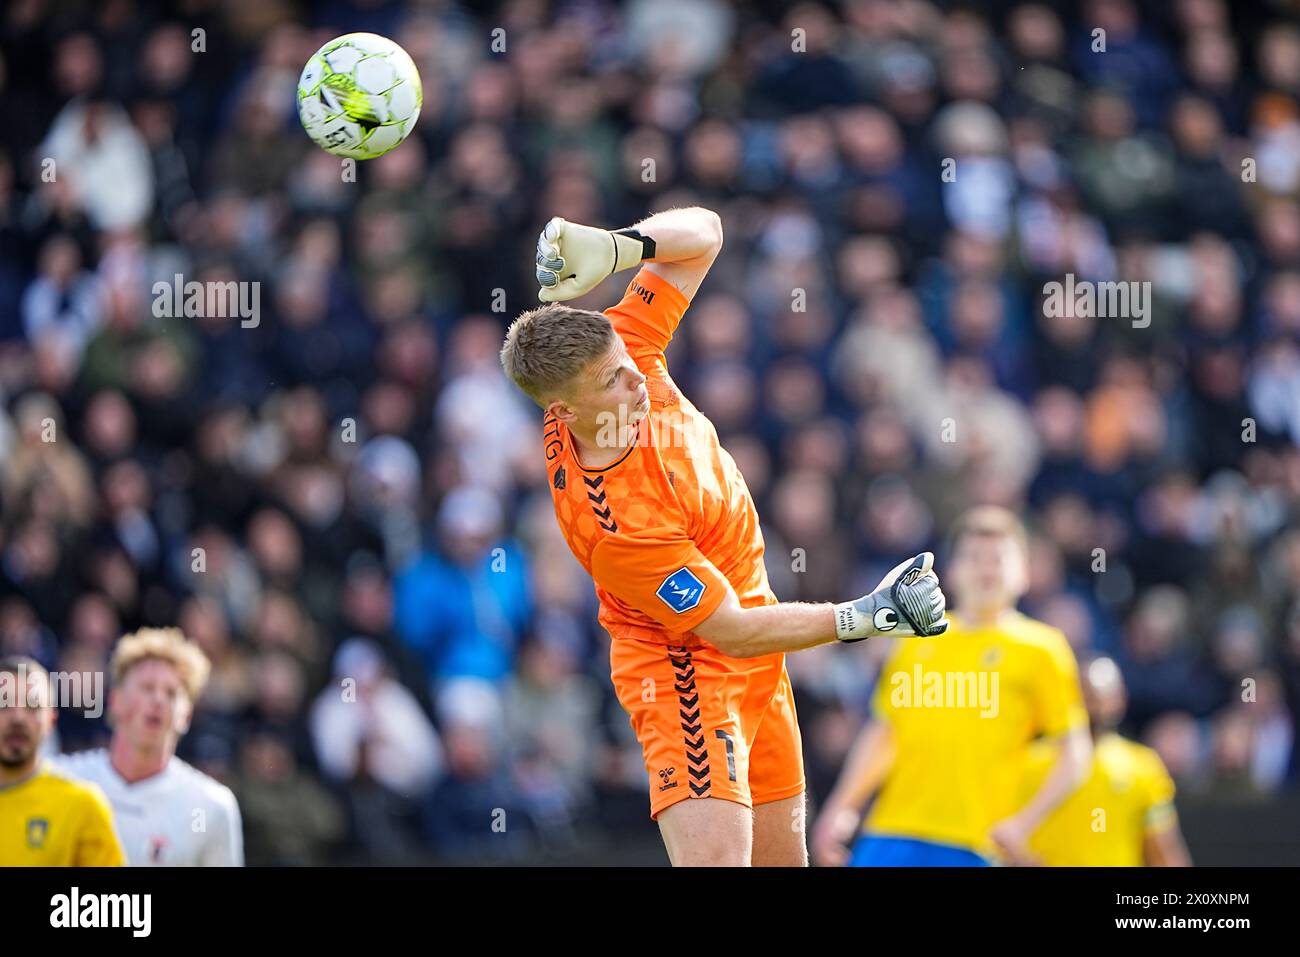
679,244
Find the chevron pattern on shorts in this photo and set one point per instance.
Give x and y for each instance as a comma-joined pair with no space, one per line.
688,710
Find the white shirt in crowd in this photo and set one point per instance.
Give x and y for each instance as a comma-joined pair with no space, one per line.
403,750
180,817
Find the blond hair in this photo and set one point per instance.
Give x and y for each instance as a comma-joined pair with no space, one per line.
162,644
547,348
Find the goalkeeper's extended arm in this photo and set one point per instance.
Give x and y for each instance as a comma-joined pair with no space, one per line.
907,602
572,259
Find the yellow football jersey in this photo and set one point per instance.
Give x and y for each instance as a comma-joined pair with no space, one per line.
1127,795
50,820
964,708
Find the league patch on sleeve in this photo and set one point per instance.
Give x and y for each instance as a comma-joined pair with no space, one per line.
681,590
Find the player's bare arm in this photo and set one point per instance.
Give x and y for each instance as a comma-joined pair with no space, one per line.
908,601
687,241
865,769
679,245
1074,757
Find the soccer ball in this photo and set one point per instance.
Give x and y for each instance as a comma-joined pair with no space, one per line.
359,96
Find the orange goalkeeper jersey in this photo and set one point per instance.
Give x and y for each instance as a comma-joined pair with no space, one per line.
668,527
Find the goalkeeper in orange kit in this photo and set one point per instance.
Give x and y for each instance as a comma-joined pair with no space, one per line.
658,513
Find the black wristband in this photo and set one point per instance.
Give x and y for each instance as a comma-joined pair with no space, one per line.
647,244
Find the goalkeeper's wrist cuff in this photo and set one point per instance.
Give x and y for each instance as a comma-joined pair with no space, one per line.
852,623
631,249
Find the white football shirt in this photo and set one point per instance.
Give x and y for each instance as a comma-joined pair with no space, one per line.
180,817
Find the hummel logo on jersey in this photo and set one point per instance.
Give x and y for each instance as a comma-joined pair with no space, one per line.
664,775
681,590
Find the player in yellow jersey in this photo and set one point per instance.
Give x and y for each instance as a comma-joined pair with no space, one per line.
1123,814
46,819
953,721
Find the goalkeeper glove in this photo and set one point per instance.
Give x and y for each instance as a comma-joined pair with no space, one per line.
573,259
907,602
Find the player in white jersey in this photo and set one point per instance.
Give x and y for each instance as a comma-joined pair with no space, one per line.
167,813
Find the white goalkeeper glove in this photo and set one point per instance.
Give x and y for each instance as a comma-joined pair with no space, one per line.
573,259
908,601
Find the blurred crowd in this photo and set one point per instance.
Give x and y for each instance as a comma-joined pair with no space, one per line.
344,504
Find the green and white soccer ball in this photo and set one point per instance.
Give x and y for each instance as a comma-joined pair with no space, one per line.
359,96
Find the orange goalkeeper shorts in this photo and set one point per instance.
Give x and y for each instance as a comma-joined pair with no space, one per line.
710,725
